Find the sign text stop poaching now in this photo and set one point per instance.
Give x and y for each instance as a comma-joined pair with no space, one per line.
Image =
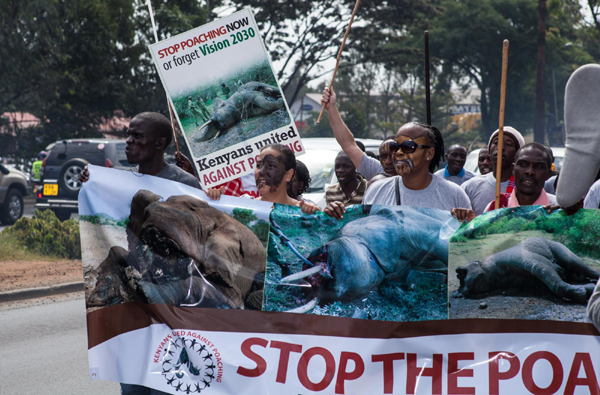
205,48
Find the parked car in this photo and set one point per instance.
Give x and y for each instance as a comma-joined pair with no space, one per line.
471,163
60,171
14,185
320,161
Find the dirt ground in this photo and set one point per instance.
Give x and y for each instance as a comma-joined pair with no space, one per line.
16,275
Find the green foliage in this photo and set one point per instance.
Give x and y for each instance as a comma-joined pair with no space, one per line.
46,235
103,219
243,215
261,230
579,232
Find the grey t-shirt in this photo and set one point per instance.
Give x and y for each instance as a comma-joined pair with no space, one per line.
440,194
549,185
369,167
175,173
592,199
481,190
467,175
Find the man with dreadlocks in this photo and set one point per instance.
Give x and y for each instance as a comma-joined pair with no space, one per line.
417,150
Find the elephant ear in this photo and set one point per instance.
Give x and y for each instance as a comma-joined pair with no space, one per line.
140,201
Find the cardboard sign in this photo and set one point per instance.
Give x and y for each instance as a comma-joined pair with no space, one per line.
225,95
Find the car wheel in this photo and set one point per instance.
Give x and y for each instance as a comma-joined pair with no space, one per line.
12,209
68,179
62,216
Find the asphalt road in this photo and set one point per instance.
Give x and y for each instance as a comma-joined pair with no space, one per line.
44,349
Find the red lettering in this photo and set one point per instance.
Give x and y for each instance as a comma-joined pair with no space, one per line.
252,161
388,369
207,180
284,358
494,369
557,373
261,364
413,371
589,380
454,373
297,146
303,369
343,374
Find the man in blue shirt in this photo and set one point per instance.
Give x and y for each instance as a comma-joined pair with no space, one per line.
454,170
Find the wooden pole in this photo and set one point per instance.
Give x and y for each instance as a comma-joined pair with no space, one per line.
501,123
173,125
151,12
339,55
427,87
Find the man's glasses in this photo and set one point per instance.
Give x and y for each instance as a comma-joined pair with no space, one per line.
408,146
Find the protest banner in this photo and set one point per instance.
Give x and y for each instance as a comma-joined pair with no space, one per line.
226,98
174,286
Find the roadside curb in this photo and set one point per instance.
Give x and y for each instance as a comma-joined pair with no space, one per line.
32,293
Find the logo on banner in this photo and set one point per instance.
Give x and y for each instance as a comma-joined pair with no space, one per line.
190,362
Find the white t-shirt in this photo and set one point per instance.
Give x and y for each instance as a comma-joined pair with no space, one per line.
439,194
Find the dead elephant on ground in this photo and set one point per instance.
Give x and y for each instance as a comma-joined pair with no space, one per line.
182,252
525,265
251,100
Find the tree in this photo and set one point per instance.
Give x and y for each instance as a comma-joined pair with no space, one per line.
74,63
539,126
470,53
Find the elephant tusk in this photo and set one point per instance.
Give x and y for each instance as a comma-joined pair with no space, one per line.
302,274
305,308
204,125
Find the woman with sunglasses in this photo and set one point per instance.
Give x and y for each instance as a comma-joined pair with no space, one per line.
417,151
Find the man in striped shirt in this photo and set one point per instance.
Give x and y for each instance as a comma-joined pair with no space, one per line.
351,186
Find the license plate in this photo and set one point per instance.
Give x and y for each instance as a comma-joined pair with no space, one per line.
50,189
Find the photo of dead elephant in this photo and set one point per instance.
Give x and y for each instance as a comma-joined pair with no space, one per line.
381,263
181,252
524,264
232,110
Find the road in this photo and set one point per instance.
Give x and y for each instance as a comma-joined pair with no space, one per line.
44,349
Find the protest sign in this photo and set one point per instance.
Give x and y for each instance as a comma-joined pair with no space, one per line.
174,289
225,96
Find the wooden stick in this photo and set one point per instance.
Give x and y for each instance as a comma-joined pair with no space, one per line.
151,12
427,87
173,125
501,123
339,55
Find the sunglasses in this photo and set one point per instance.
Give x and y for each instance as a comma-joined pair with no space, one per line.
408,146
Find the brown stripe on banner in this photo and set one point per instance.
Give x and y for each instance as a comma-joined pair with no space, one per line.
114,320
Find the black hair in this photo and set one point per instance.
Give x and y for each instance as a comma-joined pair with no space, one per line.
161,126
371,154
541,147
289,159
360,145
435,136
303,176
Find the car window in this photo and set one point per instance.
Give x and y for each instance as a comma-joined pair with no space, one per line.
121,157
320,166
